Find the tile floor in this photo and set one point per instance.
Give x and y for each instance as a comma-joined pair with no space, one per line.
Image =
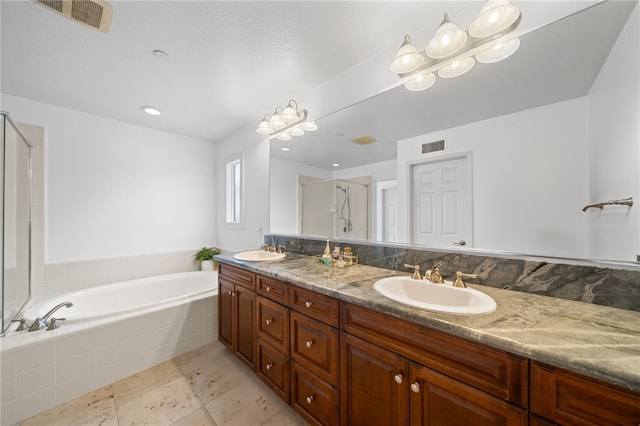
208,386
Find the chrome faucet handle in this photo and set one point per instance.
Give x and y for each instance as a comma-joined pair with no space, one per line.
416,271
459,283
23,324
53,324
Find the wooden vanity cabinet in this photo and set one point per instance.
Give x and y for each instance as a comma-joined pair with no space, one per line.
236,299
272,333
569,399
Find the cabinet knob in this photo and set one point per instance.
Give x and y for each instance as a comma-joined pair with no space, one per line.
398,378
415,387
268,321
268,366
307,304
268,288
308,343
230,293
310,399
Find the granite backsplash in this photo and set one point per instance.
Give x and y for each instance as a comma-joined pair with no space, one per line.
618,288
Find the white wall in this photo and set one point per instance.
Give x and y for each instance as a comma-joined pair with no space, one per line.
529,178
614,150
115,189
256,186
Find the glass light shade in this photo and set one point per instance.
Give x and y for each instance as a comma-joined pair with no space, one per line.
422,81
495,16
289,115
264,128
150,110
407,59
284,137
447,40
276,123
498,51
296,131
457,68
310,126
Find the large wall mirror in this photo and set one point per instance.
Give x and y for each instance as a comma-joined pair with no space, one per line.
542,134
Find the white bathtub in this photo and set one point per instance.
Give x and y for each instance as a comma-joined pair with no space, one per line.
110,332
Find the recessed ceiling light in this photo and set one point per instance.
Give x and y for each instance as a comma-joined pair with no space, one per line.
150,110
336,164
285,149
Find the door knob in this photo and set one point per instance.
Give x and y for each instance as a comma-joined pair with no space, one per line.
460,243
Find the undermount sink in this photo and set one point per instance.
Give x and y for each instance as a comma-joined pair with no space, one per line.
435,297
258,256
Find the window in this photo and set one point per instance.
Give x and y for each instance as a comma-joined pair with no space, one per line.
234,191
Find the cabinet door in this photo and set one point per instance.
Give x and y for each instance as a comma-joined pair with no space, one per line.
373,384
245,336
225,313
437,399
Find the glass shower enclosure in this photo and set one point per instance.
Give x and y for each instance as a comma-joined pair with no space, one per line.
15,232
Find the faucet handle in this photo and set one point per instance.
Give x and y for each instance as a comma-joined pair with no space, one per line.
459,283
53,324
23,324
416,271
280,249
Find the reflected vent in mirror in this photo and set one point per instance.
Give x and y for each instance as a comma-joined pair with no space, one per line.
432,147
96,14
363,140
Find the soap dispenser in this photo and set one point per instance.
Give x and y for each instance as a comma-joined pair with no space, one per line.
326,257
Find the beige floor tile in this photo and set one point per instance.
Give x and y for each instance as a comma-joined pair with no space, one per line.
250,403
211,381
286,417
199,417
132,387
160,406
94,408
205,355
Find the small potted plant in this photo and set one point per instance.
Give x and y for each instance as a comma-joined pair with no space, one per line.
205,257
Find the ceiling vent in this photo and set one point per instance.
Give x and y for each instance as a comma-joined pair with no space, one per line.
433,147
96,14
363,140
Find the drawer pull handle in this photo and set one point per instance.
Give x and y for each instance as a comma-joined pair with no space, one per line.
268,366
307,304
308,343
415,387
268,288
230,293
310,399
398,378
268,321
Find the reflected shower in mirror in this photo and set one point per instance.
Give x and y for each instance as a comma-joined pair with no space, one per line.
547,131
16,206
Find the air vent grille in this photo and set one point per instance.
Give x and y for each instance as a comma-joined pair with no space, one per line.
96,14
433,146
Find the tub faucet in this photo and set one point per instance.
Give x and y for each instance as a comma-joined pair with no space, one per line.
41,323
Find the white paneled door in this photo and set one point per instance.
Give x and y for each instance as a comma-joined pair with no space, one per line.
441,202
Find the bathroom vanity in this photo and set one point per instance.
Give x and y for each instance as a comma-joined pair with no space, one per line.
340,353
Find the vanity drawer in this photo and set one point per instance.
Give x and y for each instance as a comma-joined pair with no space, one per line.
238,276
272,323
275,290
567,398
496,372
314,399
273,368
316,305
316,346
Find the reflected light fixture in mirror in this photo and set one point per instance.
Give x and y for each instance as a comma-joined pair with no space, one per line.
286,122
450,52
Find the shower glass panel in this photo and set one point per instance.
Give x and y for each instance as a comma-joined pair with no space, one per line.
336,208
15,160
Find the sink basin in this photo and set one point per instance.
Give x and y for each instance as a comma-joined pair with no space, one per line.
435,297
258,256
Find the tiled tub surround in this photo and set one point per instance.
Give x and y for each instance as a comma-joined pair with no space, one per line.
607,286
45,368
596,341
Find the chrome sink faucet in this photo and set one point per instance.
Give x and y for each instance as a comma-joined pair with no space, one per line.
41,323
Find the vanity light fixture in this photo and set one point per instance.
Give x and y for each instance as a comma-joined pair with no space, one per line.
286,122
452,51
150,110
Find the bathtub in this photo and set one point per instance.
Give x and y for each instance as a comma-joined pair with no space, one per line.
110,332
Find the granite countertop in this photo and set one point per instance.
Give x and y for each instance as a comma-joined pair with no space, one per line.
593,340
